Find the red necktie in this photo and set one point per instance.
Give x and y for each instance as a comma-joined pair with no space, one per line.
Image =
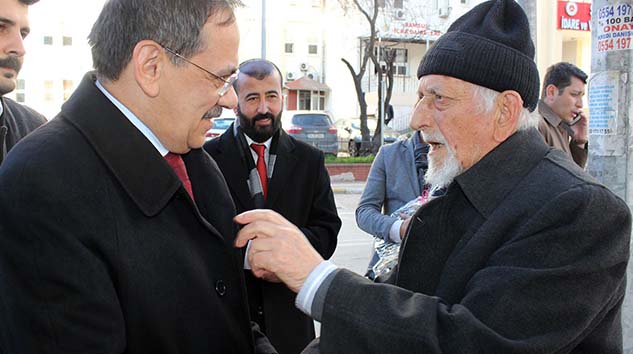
261,166
178,165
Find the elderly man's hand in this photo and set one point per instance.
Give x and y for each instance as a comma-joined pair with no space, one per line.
277,247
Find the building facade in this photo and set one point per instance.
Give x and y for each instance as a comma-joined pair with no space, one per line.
307,39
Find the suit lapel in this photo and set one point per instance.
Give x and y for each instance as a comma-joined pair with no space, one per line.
234,170
284,166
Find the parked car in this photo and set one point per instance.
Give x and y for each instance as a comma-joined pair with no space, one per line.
220,124
312,127
350,137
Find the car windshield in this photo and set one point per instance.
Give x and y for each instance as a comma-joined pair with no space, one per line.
371,124
222,123
318,120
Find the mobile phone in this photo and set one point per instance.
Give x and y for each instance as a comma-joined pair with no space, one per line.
575,120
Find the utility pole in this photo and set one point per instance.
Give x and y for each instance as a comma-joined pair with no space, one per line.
610,112
263,29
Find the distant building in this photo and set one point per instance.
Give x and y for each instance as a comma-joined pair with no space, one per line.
307,40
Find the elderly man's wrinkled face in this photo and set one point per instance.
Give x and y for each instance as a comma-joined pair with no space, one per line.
455,125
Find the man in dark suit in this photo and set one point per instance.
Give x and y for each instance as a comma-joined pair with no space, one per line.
525,253
289,177
16,120
116,227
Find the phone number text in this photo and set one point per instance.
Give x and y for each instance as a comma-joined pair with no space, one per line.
614,44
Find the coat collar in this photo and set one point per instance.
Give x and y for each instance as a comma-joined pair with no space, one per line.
132,159
488,182
236,171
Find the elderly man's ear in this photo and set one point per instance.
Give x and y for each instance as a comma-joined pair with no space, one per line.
149,61
509,106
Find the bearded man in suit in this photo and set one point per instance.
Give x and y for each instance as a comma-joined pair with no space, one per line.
289,177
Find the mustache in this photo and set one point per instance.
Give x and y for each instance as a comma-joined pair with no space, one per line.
11,62
262,116
213,112
435,136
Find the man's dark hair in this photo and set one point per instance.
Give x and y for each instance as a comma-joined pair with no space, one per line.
560,75
175,24
28,2
258,69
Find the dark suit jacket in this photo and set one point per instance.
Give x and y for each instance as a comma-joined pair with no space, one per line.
300,191
524,254
15,123
103,251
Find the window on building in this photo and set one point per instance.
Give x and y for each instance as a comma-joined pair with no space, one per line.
400,61
289,47
67,41
48,40
464,2
20,95
68,88
49,92
319,100
398,4
304,100
312,49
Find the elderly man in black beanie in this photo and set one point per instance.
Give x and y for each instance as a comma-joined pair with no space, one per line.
497,265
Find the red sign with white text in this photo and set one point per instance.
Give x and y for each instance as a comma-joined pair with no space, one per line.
574,16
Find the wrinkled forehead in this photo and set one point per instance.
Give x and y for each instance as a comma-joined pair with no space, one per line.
445,84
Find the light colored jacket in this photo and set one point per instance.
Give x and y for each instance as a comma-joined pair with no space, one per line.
391,183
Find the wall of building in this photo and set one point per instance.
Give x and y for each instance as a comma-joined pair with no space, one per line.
335,33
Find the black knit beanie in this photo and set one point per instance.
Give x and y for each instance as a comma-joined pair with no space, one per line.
489,46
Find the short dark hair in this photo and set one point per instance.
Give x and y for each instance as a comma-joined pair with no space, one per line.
259,69
560,75
175,24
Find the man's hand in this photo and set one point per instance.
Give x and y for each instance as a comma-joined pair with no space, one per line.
580,129
406,220
277,247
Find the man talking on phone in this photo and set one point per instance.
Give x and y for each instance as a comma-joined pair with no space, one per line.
564,124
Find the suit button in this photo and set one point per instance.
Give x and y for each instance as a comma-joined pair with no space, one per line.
220,287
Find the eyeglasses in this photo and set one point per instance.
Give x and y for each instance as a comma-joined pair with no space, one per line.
228,82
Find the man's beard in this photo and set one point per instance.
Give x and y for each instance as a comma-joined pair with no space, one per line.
259,133
11,62
442,174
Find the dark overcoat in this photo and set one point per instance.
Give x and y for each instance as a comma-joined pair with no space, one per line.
16,122
103,251
300,190
526,253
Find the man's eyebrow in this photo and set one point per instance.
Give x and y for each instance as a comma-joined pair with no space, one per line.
7,21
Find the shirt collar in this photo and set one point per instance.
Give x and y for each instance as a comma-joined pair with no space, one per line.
250,141
552,118
134,120
1,107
